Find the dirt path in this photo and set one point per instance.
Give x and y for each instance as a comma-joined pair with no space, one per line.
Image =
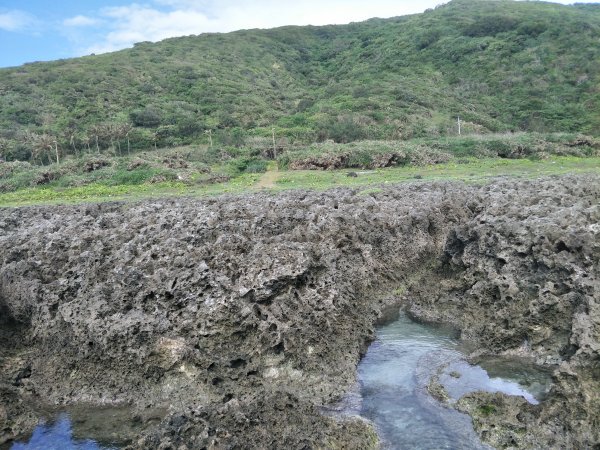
269,178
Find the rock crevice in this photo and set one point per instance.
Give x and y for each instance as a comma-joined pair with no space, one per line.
244,315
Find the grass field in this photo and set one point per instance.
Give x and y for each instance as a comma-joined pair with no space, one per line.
468,170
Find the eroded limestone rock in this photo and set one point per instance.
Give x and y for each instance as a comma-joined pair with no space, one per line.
245,314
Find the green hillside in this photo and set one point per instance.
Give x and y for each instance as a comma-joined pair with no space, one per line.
499,65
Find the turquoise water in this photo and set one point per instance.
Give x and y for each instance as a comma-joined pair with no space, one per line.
393,378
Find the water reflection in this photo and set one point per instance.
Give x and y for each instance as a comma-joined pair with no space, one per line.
90,428
393,378
57,436
460,378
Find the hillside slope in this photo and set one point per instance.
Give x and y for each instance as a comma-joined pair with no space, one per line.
500,65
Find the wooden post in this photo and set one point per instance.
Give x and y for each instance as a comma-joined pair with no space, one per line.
459,125
274,146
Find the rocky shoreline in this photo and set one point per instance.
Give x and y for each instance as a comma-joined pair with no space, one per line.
244,315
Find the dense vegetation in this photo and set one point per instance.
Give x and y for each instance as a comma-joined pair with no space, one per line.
499,65
420,152
196,166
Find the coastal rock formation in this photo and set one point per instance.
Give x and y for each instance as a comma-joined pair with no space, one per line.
242,315
522,278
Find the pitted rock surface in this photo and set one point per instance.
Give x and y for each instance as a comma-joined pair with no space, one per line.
522,278
244,315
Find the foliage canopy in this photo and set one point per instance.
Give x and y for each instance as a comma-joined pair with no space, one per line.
500,65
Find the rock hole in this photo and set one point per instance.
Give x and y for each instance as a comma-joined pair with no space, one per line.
431,228
258,313
21,375
217,381
562,247
454,246
237,363
279,348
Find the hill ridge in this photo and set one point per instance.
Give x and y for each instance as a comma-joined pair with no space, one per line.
501,65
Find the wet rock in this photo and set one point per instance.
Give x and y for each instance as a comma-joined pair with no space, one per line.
521,278
503,421
245,314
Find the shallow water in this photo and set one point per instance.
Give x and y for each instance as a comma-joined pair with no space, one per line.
82,428
393,378
58,436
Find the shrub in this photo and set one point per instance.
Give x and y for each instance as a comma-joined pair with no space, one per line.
490,25
140,176
148,117
8,169
246,164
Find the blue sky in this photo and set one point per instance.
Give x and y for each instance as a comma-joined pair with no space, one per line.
41,30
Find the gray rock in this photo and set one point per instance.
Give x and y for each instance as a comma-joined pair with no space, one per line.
245,314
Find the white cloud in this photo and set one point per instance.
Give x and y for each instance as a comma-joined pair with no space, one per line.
136,23
80,21
169,18
15,20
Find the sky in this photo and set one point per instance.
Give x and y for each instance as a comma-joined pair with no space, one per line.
42,30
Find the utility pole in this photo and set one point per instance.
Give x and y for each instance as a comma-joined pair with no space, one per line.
459,125
274,146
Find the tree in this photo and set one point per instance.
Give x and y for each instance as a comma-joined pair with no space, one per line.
123,132
69,134
85,140
43,144
96,131
148,117
4,145
110,131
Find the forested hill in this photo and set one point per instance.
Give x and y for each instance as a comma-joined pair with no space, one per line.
499,65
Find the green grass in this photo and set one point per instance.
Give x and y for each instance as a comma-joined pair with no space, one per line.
470,171
102,193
